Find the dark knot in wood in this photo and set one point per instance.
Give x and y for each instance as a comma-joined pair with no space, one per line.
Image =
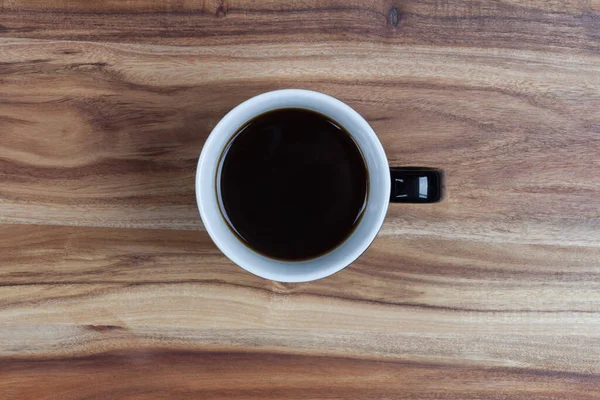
393,16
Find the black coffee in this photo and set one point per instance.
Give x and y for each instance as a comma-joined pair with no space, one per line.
293,184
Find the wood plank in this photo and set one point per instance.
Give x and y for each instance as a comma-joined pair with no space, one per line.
109,134
162,375
99,296
515,24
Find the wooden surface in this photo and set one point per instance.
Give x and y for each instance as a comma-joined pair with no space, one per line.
111,289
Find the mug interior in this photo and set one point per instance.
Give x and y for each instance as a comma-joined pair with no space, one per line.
339,257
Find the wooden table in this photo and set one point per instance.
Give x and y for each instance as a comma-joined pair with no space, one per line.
110,288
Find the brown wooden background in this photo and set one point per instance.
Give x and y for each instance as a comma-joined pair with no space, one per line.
111,289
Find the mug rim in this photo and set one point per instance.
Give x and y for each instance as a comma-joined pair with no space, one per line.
337,258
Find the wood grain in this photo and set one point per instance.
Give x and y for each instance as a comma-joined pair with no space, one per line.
167,314
111,289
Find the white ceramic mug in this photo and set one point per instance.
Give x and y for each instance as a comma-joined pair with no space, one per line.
414,185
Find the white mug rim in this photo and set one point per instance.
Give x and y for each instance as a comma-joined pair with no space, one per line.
334,260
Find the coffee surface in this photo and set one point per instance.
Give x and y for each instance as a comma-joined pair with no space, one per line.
293,184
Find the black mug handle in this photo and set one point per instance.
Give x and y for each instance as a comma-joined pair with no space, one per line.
416,185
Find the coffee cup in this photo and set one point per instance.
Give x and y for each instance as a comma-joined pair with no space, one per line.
288,120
